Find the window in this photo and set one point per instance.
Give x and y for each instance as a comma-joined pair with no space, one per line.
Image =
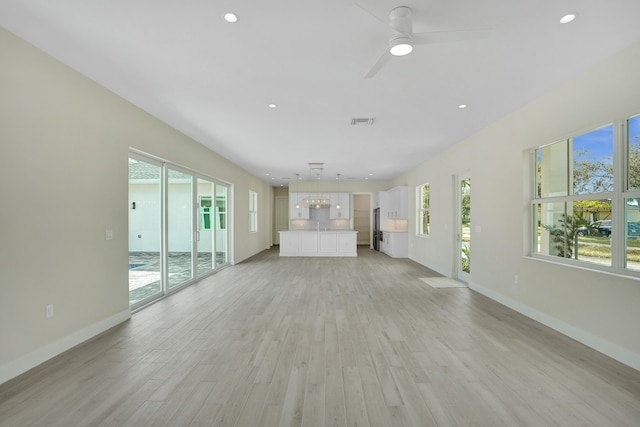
205,213
424,219
253,211
221,210
632,195
585,207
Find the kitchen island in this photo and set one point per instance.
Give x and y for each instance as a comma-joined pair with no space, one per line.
325,243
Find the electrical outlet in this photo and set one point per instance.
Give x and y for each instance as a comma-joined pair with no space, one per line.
49,311
515,279
108,234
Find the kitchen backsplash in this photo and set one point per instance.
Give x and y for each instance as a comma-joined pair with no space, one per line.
319,218
397,225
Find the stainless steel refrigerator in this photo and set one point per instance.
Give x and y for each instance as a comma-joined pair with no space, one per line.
377,233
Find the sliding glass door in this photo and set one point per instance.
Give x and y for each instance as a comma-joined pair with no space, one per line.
221,226
145,230
206,226
178,228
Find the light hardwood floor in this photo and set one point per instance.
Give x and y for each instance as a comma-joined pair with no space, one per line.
336,342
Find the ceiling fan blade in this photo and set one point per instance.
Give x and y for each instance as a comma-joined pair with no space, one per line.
449,36
384,58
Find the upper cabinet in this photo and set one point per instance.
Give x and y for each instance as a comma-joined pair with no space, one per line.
296,207
402,202
394,203
339,205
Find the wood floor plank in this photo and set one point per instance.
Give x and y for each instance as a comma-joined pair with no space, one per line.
377,410
314,404
354,397
277,341
335,412
415,407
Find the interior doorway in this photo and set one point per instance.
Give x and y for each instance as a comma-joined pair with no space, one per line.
282,217
362,218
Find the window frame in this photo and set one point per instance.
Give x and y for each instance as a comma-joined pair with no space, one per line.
205,212
420,211
253,211
618,197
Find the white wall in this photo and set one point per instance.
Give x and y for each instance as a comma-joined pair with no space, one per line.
64,181
144,221
601,310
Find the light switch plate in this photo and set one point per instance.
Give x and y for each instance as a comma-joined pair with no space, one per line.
108,234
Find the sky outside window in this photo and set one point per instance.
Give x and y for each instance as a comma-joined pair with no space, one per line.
593,161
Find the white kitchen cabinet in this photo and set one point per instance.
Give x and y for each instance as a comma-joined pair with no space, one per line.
395,244
319,243
402,207
308,242
392,209
300,212
291,241
397,203
327,242
347,242
342,200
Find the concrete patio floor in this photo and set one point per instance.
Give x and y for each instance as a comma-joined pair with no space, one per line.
145,273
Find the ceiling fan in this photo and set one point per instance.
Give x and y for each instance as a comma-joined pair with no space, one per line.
403,38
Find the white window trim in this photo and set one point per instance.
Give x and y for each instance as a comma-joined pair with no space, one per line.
253,213
420,210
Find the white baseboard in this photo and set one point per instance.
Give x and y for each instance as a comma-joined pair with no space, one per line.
612,350
29,361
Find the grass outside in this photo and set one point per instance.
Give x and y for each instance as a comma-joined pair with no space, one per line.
600,247
631,243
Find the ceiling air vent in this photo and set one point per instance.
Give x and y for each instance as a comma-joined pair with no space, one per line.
362,121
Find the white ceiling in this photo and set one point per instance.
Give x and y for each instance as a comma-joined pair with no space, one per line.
180,61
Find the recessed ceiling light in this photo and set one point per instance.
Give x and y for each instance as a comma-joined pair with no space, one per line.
230,17
462,106
273,106
567,18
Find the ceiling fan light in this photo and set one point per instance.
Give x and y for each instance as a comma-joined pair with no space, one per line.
400,46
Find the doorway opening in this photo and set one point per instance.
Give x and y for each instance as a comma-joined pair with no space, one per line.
362,218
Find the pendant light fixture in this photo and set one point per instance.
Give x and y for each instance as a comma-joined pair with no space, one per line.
315,173
297,193
338,202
